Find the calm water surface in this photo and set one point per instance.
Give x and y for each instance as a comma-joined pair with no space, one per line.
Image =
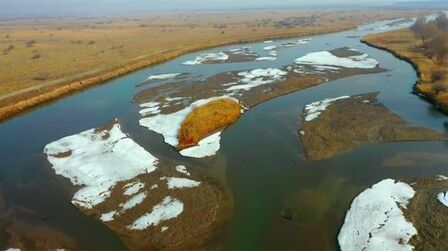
261,158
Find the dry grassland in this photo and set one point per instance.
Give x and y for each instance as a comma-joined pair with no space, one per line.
44,59
404,44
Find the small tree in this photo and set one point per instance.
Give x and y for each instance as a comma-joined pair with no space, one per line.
424,30
442,22
438,47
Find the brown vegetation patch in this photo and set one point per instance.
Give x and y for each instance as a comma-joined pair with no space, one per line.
358,120
428,215
206,119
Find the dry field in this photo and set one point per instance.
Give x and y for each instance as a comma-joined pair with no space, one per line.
44,59
404,44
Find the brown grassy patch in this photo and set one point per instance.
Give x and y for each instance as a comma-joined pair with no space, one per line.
206,119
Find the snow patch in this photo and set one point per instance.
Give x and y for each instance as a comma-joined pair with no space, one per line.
314,109
297,42
134,201
108,216
362,61
220,56
169,208
269,48
206,147
182,169
174,182
443,198
132,188
163,76
95,160
375,220
266,58
257,77
168,125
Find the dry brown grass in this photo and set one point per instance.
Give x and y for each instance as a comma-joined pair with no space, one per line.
206,119
405,45
39,57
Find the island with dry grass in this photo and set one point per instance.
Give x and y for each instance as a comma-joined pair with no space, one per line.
425,46
335,125
43,59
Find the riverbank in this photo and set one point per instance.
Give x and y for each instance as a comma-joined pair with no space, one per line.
404,45
47,59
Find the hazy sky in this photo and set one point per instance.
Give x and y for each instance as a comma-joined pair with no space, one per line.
42,8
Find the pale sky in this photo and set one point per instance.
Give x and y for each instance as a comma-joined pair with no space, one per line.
54,8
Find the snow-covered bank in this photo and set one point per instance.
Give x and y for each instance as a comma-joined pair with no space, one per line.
94,159
326,58
206,57
443,198
314,109
375,220
163,76
256,77
168,125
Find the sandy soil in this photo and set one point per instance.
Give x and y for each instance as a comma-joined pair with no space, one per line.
355,121
44,59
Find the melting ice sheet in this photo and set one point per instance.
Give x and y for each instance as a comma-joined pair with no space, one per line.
94,159
362,61
375,220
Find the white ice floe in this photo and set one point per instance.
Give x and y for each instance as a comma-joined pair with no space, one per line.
442,177
257,77
266,58
149,104
174,182
314,109
362,61
296,42
108,216
163,76
206,147
182,169
97,160
168,99
168,125
272,53
220,56
375,220
268,48
134,201
132,188
163,229
169,208
149,111
443,198
268,41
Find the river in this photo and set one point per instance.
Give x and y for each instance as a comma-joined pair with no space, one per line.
261,158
